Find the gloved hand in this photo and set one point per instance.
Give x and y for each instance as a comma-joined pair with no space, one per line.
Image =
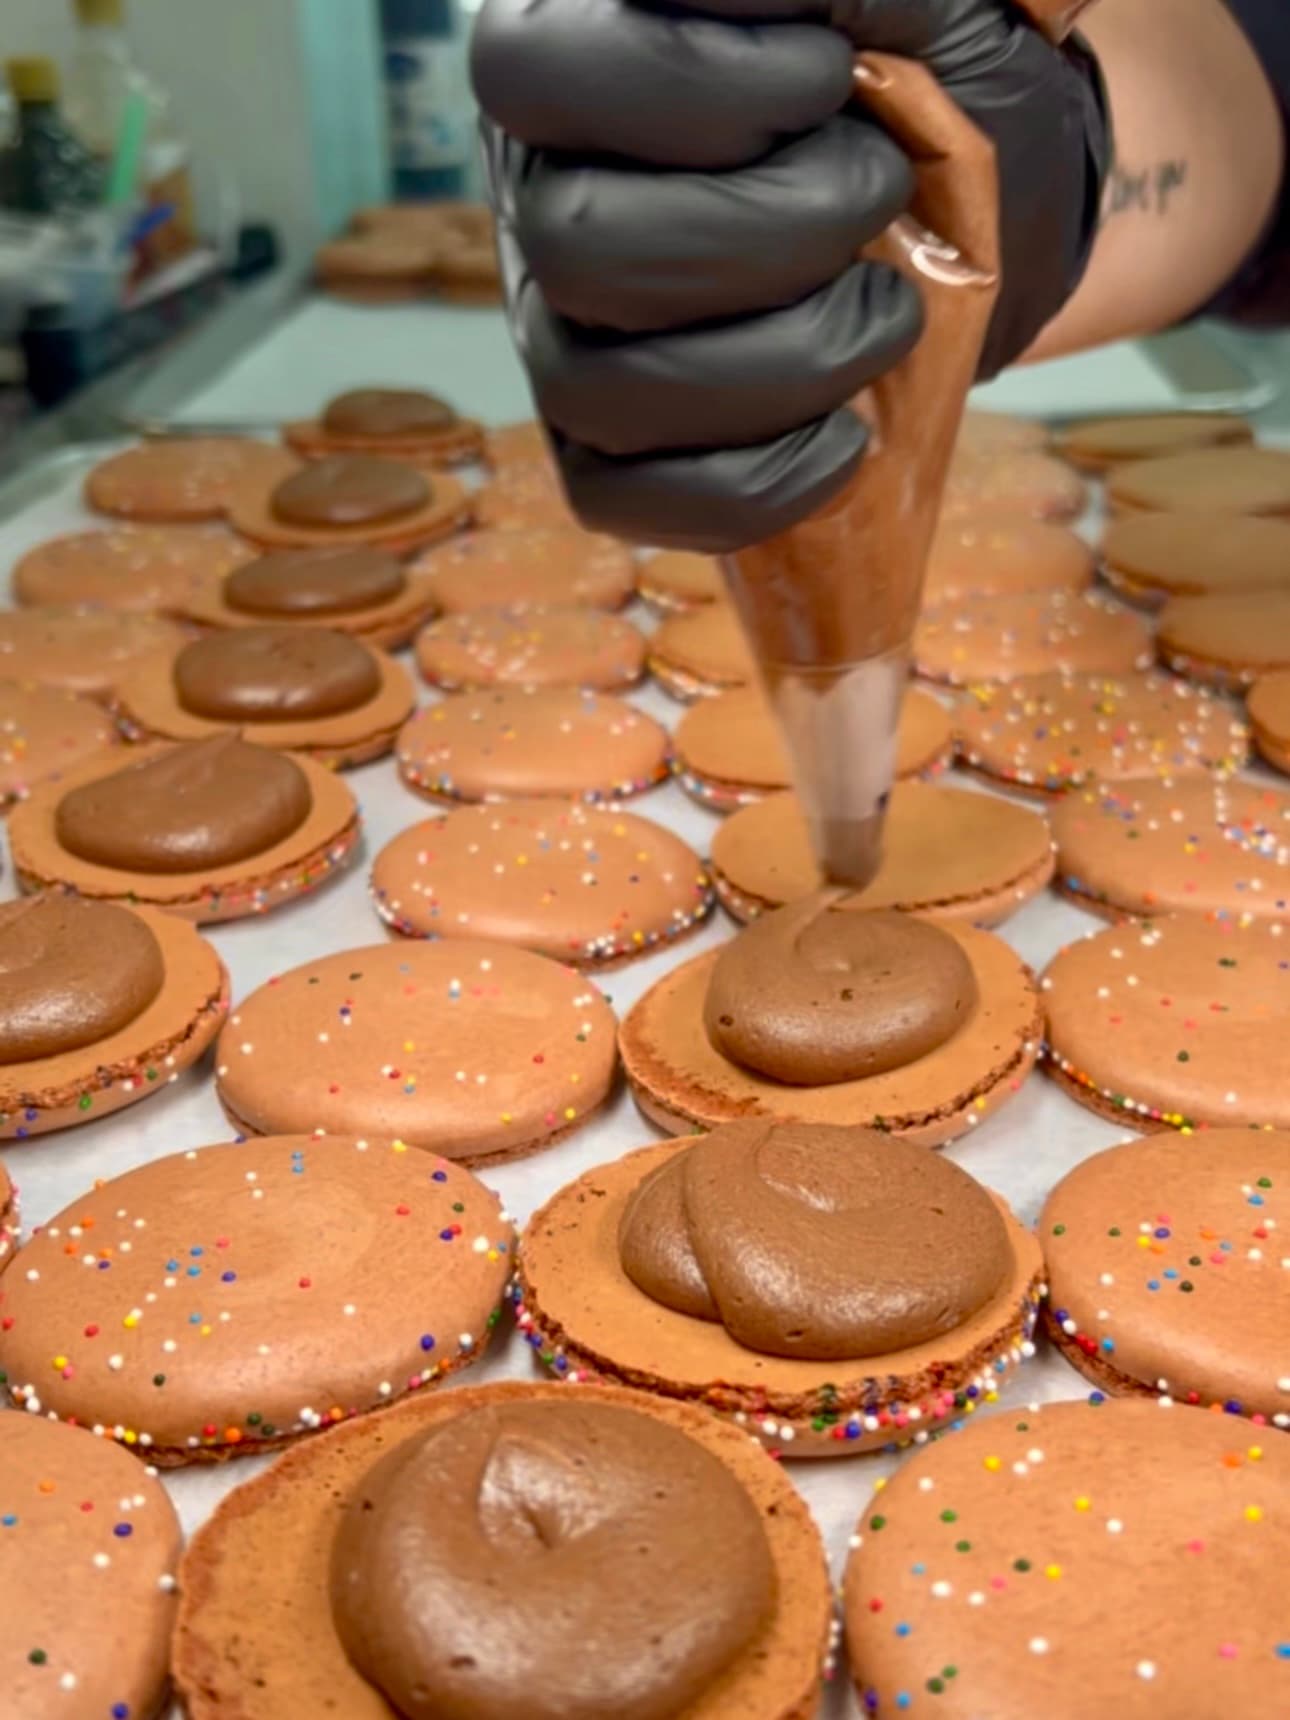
681,198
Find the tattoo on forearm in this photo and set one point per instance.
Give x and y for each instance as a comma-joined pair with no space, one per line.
1143,190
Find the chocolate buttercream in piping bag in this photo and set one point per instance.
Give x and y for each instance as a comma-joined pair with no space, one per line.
830,604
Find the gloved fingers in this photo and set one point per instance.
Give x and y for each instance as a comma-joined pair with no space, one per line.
617,248
672,89
719,501
724,384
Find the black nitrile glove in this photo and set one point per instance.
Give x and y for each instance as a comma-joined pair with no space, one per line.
681,198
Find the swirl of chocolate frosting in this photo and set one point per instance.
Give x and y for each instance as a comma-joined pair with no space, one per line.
72,972
203,804
814,1242
388,412
556,1560
814,993
313,582
349,490
274,674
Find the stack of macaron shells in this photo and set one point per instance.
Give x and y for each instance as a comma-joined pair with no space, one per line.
678,580
815,1370
1226,640
8,1214
367,592
1150,558
566,646
1146,846
407,423
307,690
729,751
303,1281
585,885
1267,706
44,732
948,852
701,653
1044,734
1098,444
476,1050
1179,1023
154,570
345,501
1165,1278
526,567
221,828
1232,480
509,741
780,1025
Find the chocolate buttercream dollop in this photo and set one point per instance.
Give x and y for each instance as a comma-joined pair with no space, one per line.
275,674
306,583
203,804
813,993
392,412
72,972
556,1560
349,490
814,1242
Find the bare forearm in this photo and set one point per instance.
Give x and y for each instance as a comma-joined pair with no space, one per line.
1199,154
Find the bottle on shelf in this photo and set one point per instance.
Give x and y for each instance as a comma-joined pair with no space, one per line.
46,169
433,151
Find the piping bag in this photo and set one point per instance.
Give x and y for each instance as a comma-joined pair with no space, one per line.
829,606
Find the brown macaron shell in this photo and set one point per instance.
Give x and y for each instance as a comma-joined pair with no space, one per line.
536,566
87,1576
390,623
730,753
43,733
987,1565
442,439
297,864
1096,444
1150,558
149,570
557,647
332,1276
948,852
682,1083
521,495
1164,1270
150,707
251,512
590,1322
143,1057
1268,707
1028,483
283,1524
997,555
1001,433
1177,1024
583,885
1212,480
677,580
87,651
1029,633
185,480
476,1050
702,653
1226,641
504,743
1044,734
1145,847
